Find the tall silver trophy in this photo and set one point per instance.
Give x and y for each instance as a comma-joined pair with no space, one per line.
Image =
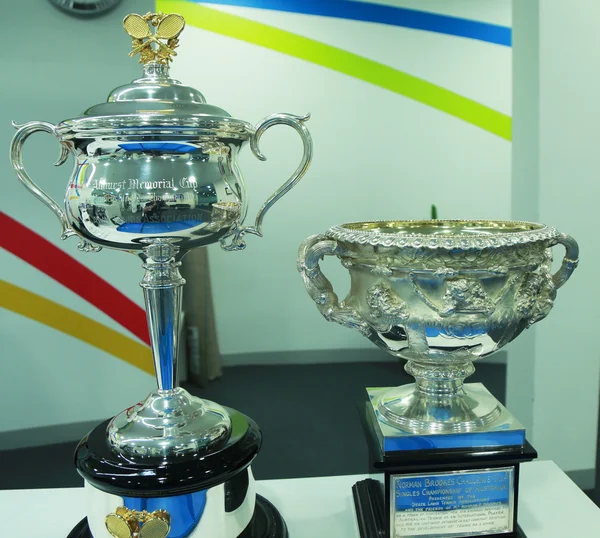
440,294
156,175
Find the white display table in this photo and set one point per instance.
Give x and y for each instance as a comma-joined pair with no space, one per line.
550,506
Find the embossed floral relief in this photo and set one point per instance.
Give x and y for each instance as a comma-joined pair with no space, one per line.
386,307
398,251
425,259
536,295
463,295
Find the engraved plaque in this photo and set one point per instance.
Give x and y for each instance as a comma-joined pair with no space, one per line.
452,504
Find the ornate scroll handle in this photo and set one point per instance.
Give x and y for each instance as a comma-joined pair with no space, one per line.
570,261
320,289
16,157
297,122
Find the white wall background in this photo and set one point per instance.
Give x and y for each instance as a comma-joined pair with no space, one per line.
554,371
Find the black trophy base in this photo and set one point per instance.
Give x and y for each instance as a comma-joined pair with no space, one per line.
401,477
369,503
266,523
130,477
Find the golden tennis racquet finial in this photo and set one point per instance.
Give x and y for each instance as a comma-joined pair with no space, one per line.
127,523
148,44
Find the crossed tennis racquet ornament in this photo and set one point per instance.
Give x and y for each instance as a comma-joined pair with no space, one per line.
148,44
126,523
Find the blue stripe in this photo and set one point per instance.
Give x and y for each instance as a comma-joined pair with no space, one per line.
176,147
185,510
379,13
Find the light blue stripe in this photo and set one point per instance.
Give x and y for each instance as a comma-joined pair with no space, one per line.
490,440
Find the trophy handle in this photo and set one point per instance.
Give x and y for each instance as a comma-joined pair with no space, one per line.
296,122
24,131
570,261
320,289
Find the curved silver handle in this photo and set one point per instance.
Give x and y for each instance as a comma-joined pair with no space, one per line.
311,251
543,287
16,158
24,131
297,123
570,261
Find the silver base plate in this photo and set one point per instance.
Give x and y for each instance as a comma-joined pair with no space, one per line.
169,424
473,408
505,430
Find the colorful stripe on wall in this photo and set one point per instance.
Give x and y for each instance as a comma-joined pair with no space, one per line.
58,265
342,61
383,14
67,321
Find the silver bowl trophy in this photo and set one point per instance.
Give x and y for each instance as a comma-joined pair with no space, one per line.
440,294
156,175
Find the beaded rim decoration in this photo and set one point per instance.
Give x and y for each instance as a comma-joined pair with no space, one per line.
352,233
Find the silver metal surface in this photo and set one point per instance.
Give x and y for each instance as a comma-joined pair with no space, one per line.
297,123
162,286
156,95
505,431
440,294
16,158
152,175
169,423
156,174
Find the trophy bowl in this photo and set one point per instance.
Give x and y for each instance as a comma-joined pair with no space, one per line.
440,294
156,162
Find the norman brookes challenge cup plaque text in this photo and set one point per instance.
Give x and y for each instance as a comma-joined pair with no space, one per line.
478,502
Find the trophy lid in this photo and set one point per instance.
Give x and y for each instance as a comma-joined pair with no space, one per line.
155,99
156,93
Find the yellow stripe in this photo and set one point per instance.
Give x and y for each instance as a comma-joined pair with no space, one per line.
342,61
33,306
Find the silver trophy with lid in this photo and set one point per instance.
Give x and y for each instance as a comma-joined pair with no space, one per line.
156,175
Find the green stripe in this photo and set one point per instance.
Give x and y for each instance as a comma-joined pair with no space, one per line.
342,61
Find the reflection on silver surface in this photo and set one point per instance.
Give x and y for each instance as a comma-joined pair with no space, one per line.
156,174
440,294
169,422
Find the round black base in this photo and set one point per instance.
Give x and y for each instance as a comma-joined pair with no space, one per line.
266,523
131,477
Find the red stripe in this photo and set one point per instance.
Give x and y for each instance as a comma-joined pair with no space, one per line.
54,262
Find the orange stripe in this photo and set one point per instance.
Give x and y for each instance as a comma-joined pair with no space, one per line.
65,320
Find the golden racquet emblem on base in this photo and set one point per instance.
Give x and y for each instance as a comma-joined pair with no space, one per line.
126,523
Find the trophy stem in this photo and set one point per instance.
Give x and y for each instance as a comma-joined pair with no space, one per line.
443,381
438,401
162,286
170,422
